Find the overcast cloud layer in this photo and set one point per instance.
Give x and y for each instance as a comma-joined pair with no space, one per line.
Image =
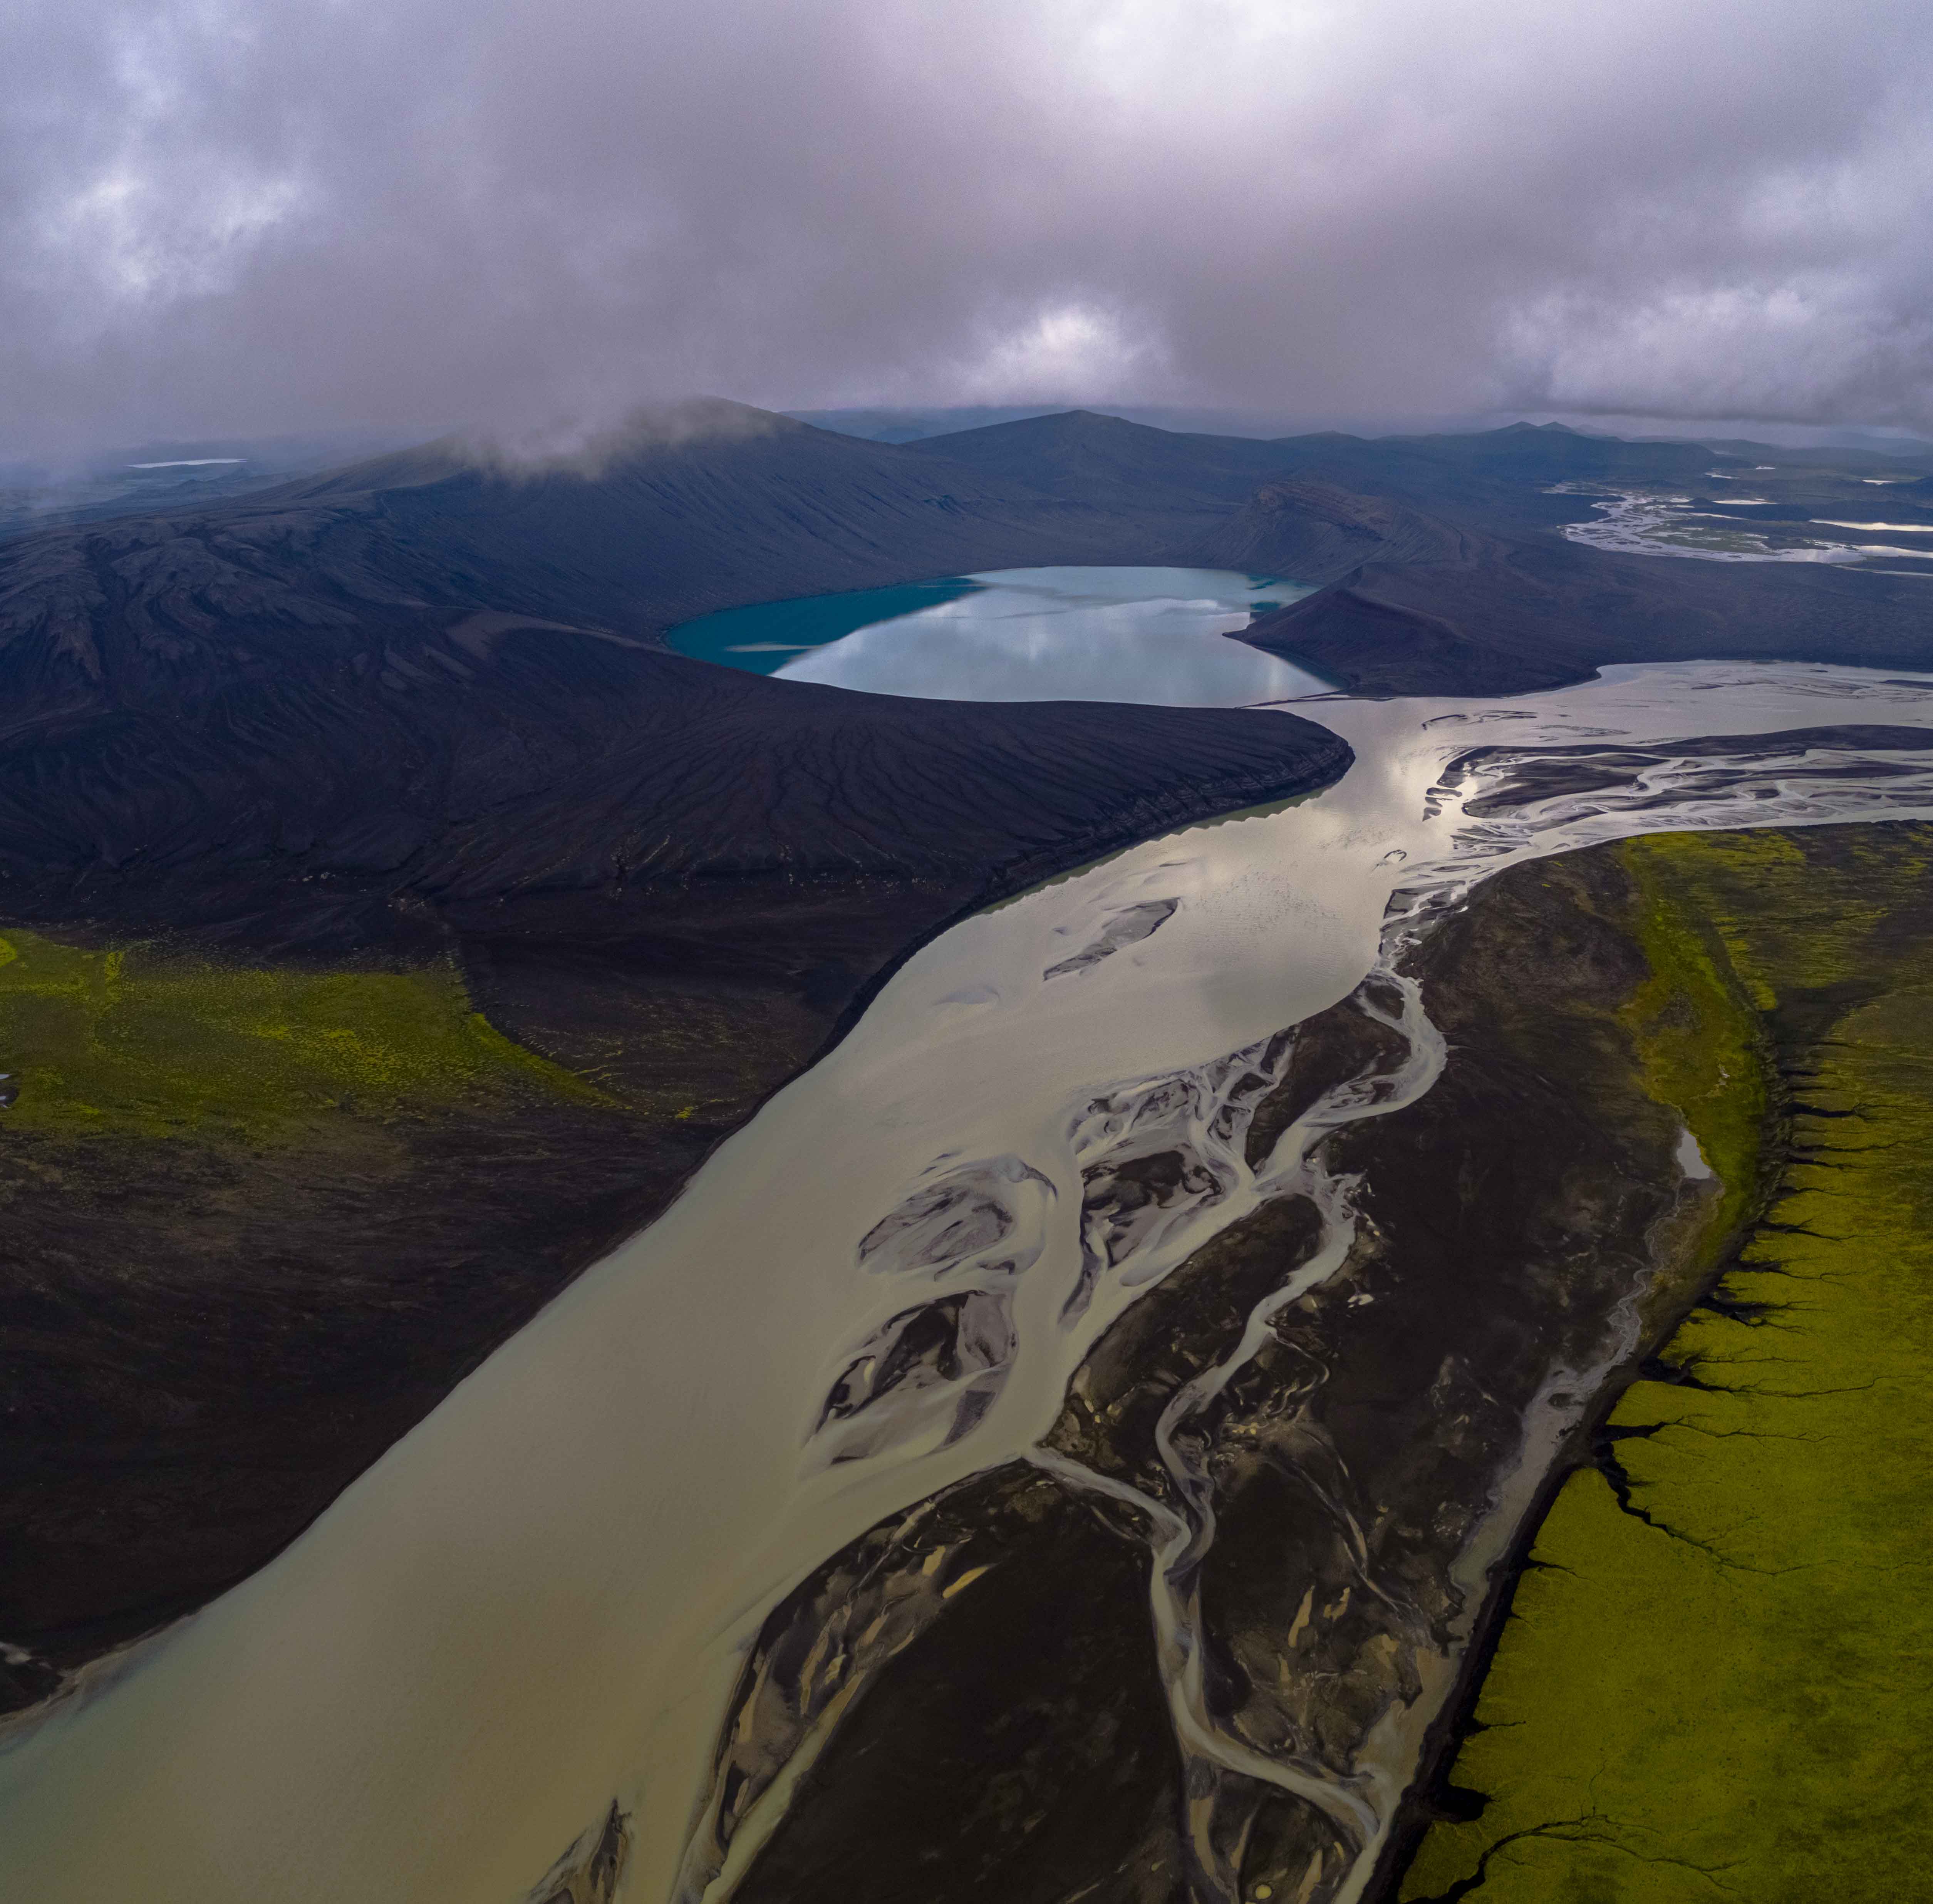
235,216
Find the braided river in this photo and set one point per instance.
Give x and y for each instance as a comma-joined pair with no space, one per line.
538,1603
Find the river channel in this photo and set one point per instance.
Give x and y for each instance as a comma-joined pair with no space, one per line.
538,1602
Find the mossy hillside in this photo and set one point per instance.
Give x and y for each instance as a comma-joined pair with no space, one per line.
1701,1046
145,1041
1719,1683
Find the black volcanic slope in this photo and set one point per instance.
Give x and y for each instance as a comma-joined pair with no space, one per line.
479,762
1106,462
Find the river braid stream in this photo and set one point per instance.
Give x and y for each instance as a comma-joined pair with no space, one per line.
1182,1539
534,1628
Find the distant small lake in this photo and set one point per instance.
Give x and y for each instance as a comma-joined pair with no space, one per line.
1149,635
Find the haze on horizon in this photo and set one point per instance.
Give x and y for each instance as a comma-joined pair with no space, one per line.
222,218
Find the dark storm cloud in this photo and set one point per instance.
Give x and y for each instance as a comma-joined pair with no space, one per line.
219,215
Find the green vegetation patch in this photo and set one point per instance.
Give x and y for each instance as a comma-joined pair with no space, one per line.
1718,1678
145,1041
1699,1038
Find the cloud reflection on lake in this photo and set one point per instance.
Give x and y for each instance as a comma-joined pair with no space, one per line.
1157,636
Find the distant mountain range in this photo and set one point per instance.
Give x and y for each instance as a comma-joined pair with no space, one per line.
43,493
910,424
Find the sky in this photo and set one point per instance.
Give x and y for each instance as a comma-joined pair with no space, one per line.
226,217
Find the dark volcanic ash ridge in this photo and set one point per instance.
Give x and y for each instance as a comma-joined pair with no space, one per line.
464,772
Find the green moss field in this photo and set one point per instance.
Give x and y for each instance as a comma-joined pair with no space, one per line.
141,1041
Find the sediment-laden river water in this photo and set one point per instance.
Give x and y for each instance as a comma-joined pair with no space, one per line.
538,1602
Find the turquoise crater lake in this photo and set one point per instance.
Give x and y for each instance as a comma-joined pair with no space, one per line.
1154,635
